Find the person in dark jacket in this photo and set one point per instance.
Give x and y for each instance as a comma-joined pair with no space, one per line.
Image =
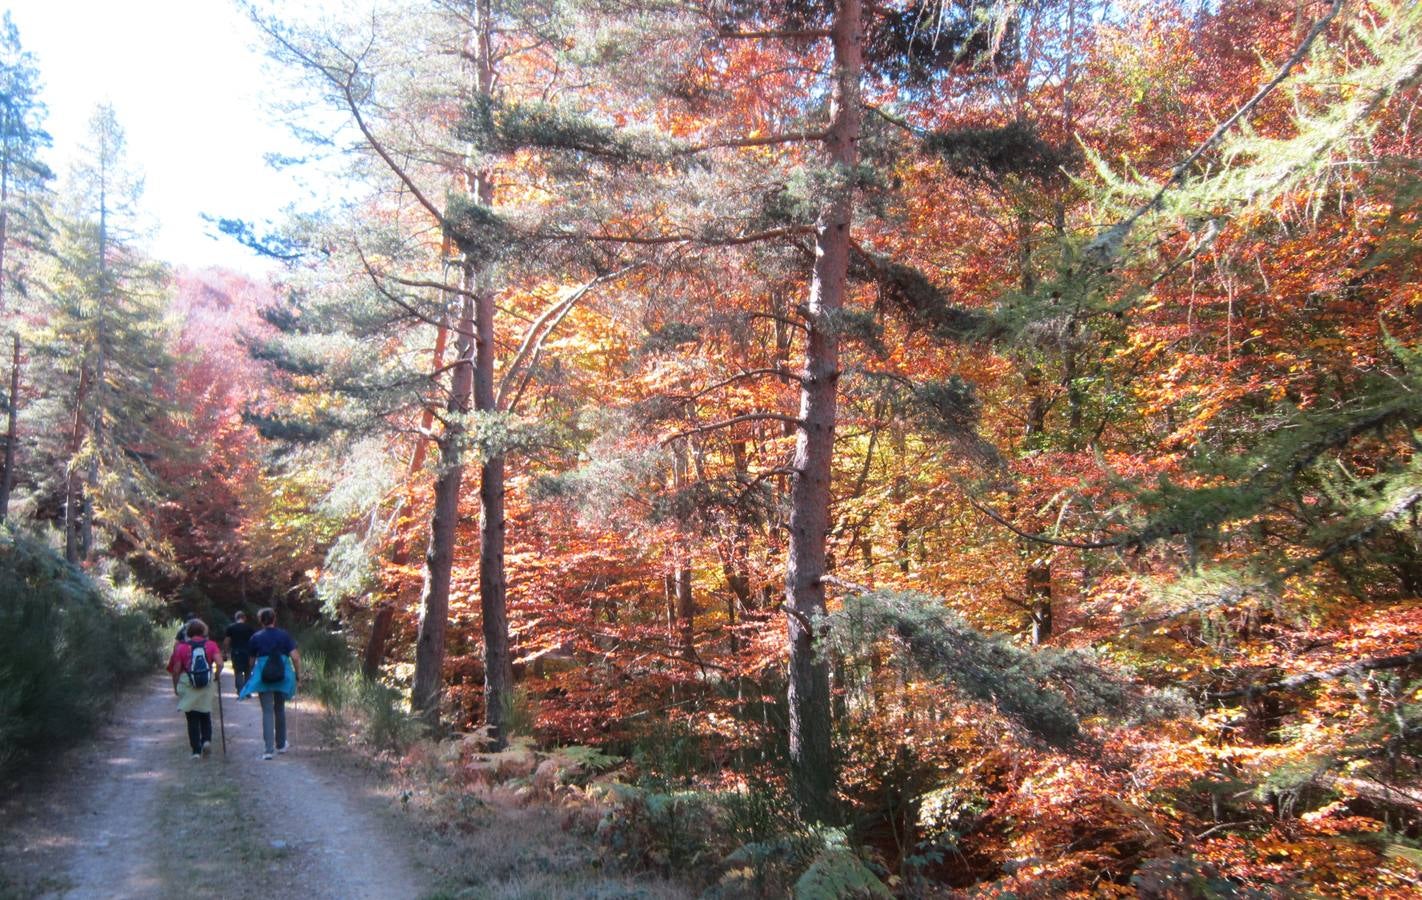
272,642
235,647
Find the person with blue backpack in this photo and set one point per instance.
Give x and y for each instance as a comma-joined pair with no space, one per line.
276,665
195,665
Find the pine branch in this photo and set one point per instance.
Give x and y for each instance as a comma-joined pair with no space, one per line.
1102,251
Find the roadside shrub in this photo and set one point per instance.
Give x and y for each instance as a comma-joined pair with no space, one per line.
375,710
679,831
67,644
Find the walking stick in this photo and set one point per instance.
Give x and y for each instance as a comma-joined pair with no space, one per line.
221,719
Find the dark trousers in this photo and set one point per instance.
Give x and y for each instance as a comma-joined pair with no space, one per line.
241,667
199,729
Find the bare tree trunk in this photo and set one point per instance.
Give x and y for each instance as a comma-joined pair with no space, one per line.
96,428
385,615
7,479
374,653
439,560
73,484
493,590
812,766
417,460
1039,598
493,584
685,604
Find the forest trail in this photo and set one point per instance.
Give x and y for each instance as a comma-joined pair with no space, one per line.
135,816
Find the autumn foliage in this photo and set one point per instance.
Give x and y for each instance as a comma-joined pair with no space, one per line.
1124,468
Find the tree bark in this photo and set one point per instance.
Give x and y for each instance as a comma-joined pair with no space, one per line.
96,427
7,478
73,484
812,766
1039,598
384,616
444,522
493,584
375,647
493,599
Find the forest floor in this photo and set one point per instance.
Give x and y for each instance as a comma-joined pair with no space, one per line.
132,814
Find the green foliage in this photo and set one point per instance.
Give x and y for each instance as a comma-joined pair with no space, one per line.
922,303
500,126
951,406
856,325
376,711
589,758
480,232
669,831
67,643
988,153
1293,464
22,139
839,875
1045,691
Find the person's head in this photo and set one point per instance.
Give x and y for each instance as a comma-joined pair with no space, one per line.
267,617
240,616
197,628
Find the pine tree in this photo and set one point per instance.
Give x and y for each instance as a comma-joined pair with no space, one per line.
103,344
24,226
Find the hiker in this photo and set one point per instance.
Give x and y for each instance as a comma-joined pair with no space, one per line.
235,647
276,666
195,665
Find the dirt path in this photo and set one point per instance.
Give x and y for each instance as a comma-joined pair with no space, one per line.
135,816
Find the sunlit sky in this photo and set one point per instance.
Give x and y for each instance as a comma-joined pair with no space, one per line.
187,81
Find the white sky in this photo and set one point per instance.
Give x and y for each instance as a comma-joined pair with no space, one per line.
186,79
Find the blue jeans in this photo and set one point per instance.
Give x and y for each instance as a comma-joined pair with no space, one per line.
273,719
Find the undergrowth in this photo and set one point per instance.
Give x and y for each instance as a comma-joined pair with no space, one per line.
68,642
372,710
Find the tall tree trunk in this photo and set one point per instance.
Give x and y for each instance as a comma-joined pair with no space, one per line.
7,478
1039,598
381,625
96,427
374,653
439,560
73,483
493,600
812,767
493,585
